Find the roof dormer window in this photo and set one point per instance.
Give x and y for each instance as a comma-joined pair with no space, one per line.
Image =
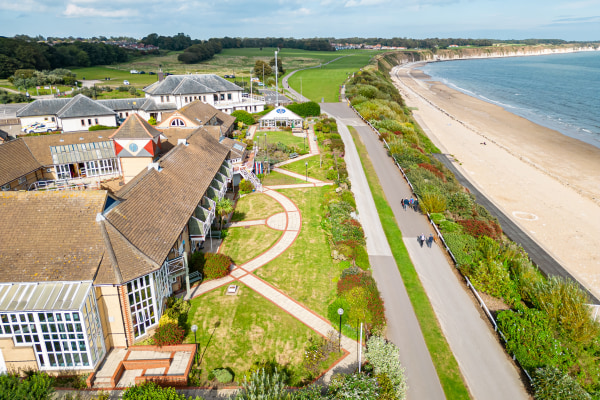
177,122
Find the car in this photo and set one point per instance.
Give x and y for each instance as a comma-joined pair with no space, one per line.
125,82
133,71
142,72
261,84
151,73
39,128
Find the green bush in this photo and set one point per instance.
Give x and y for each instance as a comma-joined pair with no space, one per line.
35,386
222,375
308,109
100,127
150,390
332,311
550,383
152,121
168,334
216,265
449,226
262,385
362,258
246,186
355,386
243,116
437,217
384,356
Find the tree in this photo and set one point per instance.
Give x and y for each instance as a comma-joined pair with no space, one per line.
258,69
384,357
279,65
224,207
37,386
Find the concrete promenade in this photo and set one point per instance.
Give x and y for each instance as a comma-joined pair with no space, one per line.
485,366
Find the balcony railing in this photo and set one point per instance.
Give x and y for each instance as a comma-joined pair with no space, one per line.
175,265
92,182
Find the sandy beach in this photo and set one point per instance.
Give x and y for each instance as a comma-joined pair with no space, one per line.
548,183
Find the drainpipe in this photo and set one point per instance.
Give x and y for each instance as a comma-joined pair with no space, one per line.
187,276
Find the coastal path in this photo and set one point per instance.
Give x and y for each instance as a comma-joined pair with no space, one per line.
485,366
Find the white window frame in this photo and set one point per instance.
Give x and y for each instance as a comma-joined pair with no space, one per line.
62,170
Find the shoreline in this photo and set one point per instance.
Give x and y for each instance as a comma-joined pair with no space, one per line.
543,180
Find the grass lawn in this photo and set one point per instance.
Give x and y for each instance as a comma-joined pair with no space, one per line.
255,206
116,75
305,271
277,178
325,82
314,168
443,359
274,137
242,244
251,329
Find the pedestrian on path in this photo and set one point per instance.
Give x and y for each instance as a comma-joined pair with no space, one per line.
411,201
430,240
416,205
402,203
421,239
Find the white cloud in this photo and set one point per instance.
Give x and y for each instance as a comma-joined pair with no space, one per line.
74,10
358,3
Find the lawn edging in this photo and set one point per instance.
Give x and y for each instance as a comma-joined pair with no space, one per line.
443,359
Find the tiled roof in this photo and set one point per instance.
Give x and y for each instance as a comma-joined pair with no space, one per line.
123,104
199,112
50,236
83,106
191,86
40,145
151,105
172,82
42,107
135,127
156,205
16,160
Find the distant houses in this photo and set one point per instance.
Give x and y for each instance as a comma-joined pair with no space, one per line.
163,97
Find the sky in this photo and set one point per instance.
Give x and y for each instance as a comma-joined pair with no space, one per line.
479,19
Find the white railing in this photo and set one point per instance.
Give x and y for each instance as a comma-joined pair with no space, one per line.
175,265
249,176
91,182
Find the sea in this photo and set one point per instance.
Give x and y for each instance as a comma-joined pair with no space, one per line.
558,91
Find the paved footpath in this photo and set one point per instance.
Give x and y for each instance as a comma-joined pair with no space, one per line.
485,366
290,222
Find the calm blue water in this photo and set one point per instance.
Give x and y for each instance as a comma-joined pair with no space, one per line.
559,91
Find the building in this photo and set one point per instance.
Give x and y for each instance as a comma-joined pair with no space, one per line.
181,90
281,116
197,114
70,114
82,272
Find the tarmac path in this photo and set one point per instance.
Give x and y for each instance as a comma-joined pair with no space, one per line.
485,366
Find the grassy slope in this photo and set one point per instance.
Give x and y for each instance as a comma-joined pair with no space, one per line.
314,168
255,206
325,82
243,244
443,359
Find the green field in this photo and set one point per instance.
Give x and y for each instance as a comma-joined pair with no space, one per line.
324,83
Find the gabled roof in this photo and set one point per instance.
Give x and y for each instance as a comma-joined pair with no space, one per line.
123,104
156,205
171,83
83,106
151,105
42,107
40,145
135,127
197,111
15,161
54,236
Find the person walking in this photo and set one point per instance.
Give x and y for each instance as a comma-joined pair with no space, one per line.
430,240
416,205
421,239
402,204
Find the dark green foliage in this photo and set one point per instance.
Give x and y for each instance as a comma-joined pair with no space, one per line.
530,338
246,186
362,258
151,391
368,298
168,334
243,116
551,383
7,97
308,109
36,386
100,127
223,375
356,386
332,311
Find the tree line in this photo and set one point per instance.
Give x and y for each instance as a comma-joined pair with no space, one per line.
429,43
18,53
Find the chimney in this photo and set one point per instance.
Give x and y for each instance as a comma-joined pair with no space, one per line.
161,75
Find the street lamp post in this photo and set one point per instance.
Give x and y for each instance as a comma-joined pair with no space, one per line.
194,329
276,84
340,312
306,165
267,150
